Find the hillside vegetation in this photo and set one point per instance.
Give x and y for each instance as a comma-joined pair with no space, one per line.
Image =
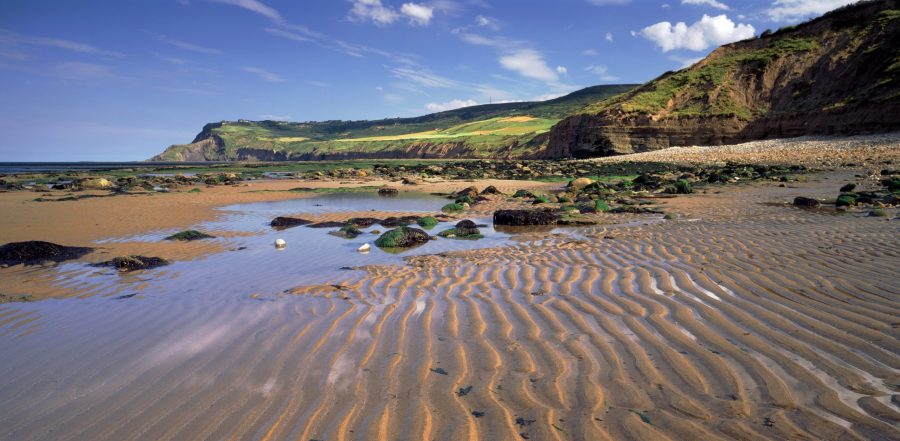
494,130
837,74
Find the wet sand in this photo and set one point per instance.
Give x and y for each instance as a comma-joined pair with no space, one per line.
743,319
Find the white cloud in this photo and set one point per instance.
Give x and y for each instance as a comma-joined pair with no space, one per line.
275,117
487,22
609,37
529,63
15,39
602,72
795,10
418,14
318,83
254,6
562,70
685,61
263,74
589,53
710,3
450,105
374,11
83,71
709,31
188,46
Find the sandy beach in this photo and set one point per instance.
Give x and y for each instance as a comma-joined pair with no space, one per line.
743,318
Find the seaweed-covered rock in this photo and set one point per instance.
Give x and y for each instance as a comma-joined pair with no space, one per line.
464,229
134,263
402,237
189,235
34,252
348,231
845,200
282,222
328,224
523,194
801,201
403,221
453,208
525,217
388,191
427,222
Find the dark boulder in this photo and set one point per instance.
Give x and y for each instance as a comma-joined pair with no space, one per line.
348,231
801,201
388,191
470,192
402,237
363,222
282,222
491,190
189,235
525,217
392,222
329,224
848,188
464,229
134,263
35,252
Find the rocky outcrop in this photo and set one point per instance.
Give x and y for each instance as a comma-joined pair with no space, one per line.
836,75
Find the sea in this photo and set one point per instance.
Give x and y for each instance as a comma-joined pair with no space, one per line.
49,167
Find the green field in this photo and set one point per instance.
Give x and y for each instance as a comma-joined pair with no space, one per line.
508,129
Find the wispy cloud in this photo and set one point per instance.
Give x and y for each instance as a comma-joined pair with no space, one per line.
372,11
254,6
601,71
14,39
710,3
263,74
419,14
450,105
80,71
423,78
795,10
187,46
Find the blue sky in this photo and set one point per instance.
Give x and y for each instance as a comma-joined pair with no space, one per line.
121,80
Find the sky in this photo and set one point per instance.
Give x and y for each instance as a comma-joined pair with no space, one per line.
122,80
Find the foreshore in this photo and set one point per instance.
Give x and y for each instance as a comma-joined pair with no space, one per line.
738,316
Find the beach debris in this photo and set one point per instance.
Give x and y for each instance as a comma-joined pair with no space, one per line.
402,237
801,201
463,391
280,243
525,217
282,222
189,235
439,371
134,263
477,413
364,248
35,252
522,422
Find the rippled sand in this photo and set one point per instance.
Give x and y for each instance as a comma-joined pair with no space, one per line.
741,320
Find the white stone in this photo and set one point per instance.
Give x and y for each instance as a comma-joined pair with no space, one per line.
280,243
364,248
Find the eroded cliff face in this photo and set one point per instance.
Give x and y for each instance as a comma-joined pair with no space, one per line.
837,75
211,148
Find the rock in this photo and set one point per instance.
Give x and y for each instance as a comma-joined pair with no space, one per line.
523,194
427,222
134,263
348,231
392,221
410,181
848,188
491,190
525,217
464,229
97,184
189,235
34,252
801,201
388,191
845,200
364,248
363,222
280,243
402,237
580,183
329,224
282,222
469,191
452,208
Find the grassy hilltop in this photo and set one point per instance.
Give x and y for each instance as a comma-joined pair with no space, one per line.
492,130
